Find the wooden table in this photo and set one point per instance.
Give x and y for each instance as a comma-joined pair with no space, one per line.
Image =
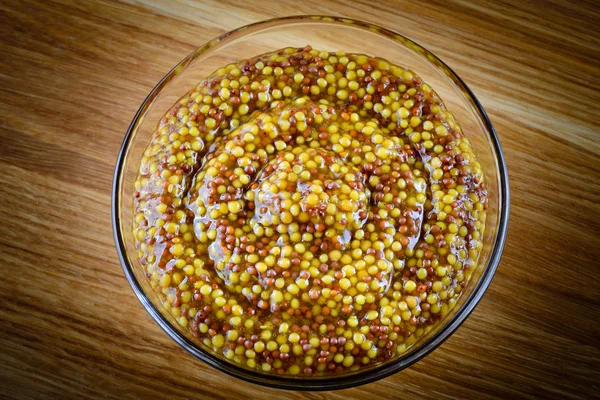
72,75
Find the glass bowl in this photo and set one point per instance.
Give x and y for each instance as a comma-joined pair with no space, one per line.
327,33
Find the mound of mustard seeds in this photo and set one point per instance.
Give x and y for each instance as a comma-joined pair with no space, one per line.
309,213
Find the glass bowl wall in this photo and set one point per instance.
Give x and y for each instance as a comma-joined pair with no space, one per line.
331,34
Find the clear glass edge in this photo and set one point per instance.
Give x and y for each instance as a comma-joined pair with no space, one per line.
333,383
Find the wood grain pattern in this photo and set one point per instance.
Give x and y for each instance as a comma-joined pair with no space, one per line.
72,75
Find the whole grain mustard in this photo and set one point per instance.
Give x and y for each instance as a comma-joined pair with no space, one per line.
309,213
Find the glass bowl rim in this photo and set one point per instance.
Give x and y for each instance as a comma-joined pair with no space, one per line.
334,382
